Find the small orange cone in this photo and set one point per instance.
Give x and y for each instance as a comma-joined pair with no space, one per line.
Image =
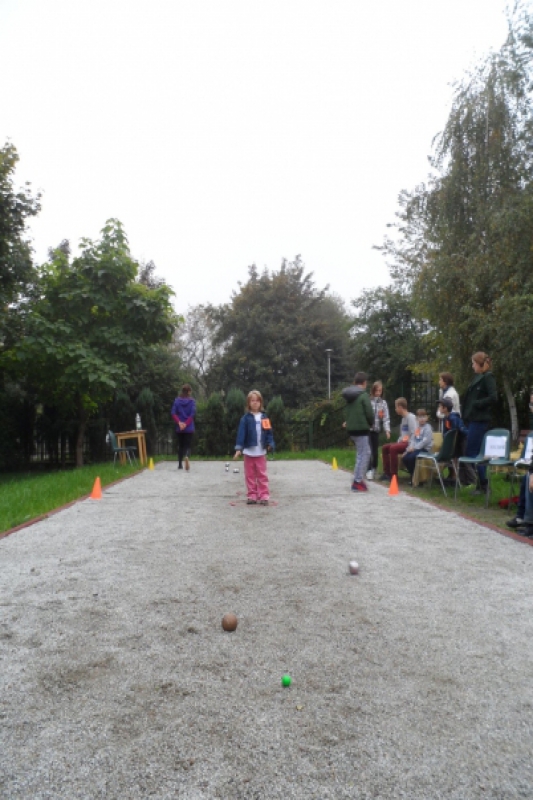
393,490
96,493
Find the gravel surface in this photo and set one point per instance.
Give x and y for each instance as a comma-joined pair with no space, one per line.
412,679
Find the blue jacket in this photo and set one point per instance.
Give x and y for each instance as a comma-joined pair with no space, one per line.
454,421
247,437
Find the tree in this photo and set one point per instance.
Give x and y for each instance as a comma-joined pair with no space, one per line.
195,345
274,334
388,338
16,267
91,324
465,246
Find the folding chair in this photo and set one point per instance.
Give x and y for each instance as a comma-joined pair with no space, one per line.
118,451
524,461
443,458
495,441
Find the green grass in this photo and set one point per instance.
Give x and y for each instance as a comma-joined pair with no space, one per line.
24,496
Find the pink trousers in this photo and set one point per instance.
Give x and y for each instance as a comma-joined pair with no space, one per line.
255,475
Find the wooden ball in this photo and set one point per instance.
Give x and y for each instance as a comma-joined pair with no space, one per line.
229,622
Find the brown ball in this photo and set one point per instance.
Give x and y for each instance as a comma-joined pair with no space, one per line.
229,622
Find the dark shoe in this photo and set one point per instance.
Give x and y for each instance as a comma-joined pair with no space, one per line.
515,522
481,491
250,502
263,502
527,531
359,486
384,477
180,466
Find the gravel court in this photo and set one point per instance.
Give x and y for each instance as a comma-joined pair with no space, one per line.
410,680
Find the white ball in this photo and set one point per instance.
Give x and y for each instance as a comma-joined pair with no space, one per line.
354,568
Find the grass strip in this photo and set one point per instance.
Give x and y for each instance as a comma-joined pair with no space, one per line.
26,495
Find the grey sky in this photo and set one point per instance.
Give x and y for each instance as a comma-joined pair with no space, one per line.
223,133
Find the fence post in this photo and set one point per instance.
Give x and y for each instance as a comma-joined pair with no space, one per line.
311,435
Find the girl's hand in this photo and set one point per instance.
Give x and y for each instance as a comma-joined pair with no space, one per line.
182,425
343,424
237,454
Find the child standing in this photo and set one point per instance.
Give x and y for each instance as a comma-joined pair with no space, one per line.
381,421
359,417
421,441
254,438
183,413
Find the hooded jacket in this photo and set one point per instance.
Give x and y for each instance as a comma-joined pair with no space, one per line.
358,412
184,410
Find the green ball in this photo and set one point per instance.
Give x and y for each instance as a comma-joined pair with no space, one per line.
286,680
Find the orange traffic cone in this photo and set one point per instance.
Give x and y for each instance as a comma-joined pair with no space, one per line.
393,490
96,493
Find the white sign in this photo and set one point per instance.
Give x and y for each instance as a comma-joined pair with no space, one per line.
495,446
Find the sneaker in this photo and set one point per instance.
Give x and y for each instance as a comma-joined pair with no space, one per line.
527,531
384,477
187,465
180,466
359,486
263,502
370,475
250,502
515,522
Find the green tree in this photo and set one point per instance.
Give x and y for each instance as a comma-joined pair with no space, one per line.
274,334
465,244
90,325
213,426
280,424
17,272
235,408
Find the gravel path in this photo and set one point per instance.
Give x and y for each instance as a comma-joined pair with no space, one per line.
411,680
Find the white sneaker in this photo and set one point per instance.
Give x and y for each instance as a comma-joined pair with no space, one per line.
370,475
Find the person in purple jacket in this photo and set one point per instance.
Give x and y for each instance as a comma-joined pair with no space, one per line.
183,413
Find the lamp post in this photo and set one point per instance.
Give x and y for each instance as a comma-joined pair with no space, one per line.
329,351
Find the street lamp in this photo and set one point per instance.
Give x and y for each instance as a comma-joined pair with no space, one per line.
329,351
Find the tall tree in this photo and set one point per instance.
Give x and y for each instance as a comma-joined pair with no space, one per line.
465,245
91,324
16,267
274,334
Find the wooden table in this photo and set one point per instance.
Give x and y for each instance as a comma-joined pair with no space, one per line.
139,437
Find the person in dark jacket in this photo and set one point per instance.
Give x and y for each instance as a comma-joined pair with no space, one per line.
359,418
477,404
183,413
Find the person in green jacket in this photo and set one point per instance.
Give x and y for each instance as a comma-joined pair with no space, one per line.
359,418
477,404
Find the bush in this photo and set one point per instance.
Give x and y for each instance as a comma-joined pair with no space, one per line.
278,418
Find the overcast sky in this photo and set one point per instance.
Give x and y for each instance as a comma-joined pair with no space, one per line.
229,132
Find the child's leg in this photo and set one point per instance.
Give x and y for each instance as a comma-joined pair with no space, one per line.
363,454
386,458
374,442
409,460
249,477
261,478
395,450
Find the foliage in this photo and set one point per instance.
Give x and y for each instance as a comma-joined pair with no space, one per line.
280,423
17,273
89,326
194,343
235,408
213,428
388,337
274,334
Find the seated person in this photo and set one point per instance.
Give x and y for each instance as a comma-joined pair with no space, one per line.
527,528
518,521
390,452
421,441
451,421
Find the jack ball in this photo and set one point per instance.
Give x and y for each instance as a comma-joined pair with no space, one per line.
229,622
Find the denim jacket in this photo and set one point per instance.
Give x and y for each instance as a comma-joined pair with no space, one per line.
247,436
